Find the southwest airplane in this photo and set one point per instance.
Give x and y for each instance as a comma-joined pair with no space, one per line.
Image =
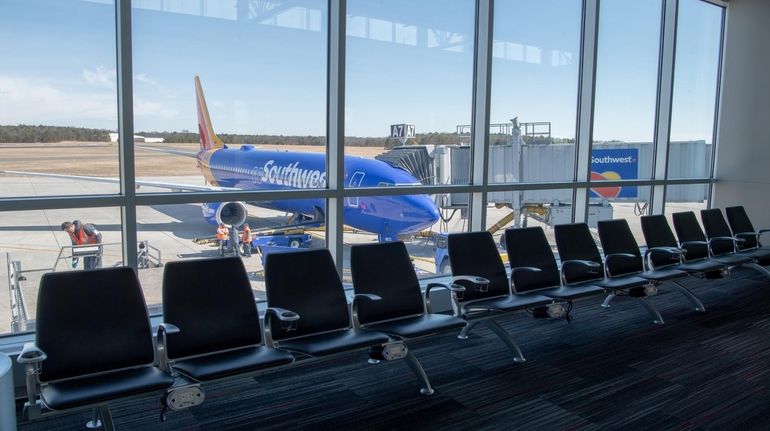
248,168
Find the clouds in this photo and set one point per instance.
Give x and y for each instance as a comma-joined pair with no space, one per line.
100,77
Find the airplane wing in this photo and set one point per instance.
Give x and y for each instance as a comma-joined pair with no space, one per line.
159,184
169,151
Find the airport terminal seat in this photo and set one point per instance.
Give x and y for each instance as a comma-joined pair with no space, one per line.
692,238
743,228
663,250
725,243
534,268
385,270
618,240
211,303
582,263
476,266
306,282
93,344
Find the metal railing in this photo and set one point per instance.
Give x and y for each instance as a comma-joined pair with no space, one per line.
19,314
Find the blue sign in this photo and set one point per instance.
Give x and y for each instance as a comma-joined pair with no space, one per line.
612,165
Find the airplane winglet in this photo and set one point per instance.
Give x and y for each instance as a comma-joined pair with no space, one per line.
208,138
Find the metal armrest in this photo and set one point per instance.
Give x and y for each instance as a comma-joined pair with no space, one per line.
31,357
590,266
454,290
521,269
163,329
614,256
676,253
482,284
732,239
285,316
354,306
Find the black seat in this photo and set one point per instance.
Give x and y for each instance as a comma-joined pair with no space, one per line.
534,268
211,302
692,238
93,343
385,270
622,256
476,266
744,229
723,243
582,263
306,282
663,250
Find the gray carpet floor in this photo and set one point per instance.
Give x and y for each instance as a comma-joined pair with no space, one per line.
608,369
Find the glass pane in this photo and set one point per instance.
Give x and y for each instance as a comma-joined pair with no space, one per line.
58,99
696,72
421,221
536,57
544,208
626,86
409,87
262,121
189,231
688,197
630,204
33,243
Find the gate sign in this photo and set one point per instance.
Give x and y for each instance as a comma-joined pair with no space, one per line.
615,164
402,132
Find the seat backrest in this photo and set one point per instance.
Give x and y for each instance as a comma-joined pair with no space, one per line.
616,237
386,270
475,253
92,321
715,225
575,242
658,233
306,282
740,223
688,229
211,302
529,247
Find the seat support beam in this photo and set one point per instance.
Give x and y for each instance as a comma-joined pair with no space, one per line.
759,268
687,293
414,364
657,318
506,338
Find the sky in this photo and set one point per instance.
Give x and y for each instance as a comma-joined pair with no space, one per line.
263,65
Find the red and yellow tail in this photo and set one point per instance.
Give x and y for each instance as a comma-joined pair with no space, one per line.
209,139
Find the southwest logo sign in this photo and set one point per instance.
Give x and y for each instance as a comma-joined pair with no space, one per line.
613,165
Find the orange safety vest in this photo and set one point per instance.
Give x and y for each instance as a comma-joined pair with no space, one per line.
221,233
246,235
79,237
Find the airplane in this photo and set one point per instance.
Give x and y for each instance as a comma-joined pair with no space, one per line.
249,168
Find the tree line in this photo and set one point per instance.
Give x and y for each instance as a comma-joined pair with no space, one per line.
29,133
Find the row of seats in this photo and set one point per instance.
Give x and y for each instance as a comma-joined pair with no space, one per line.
94,343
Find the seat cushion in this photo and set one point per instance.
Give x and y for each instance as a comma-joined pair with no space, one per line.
571,292
762,255
233,362
663,274
700,266
621,283
334,342
512,302
418,326
733,259
106,387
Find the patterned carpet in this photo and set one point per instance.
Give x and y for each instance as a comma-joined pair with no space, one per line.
608,369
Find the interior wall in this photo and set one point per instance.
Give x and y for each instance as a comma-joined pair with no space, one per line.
743,154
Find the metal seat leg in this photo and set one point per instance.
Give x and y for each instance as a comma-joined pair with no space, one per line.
507,339
607,300
414,364
463,335
759,268
657,318
690,296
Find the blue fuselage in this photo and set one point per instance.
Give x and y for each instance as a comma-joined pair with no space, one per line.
388,216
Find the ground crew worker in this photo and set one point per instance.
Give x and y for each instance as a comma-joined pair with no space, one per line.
246,239
83,234
222,238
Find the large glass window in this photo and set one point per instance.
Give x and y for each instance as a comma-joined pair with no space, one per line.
262,122
696,72
409,86
58,98
529,208
535,65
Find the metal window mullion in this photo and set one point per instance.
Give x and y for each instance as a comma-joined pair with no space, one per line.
335,129
717,104
482,77
664,104
585,108
126,131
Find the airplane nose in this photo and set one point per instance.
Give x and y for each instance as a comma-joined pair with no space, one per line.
427,209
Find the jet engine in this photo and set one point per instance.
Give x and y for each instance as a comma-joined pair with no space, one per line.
229,213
